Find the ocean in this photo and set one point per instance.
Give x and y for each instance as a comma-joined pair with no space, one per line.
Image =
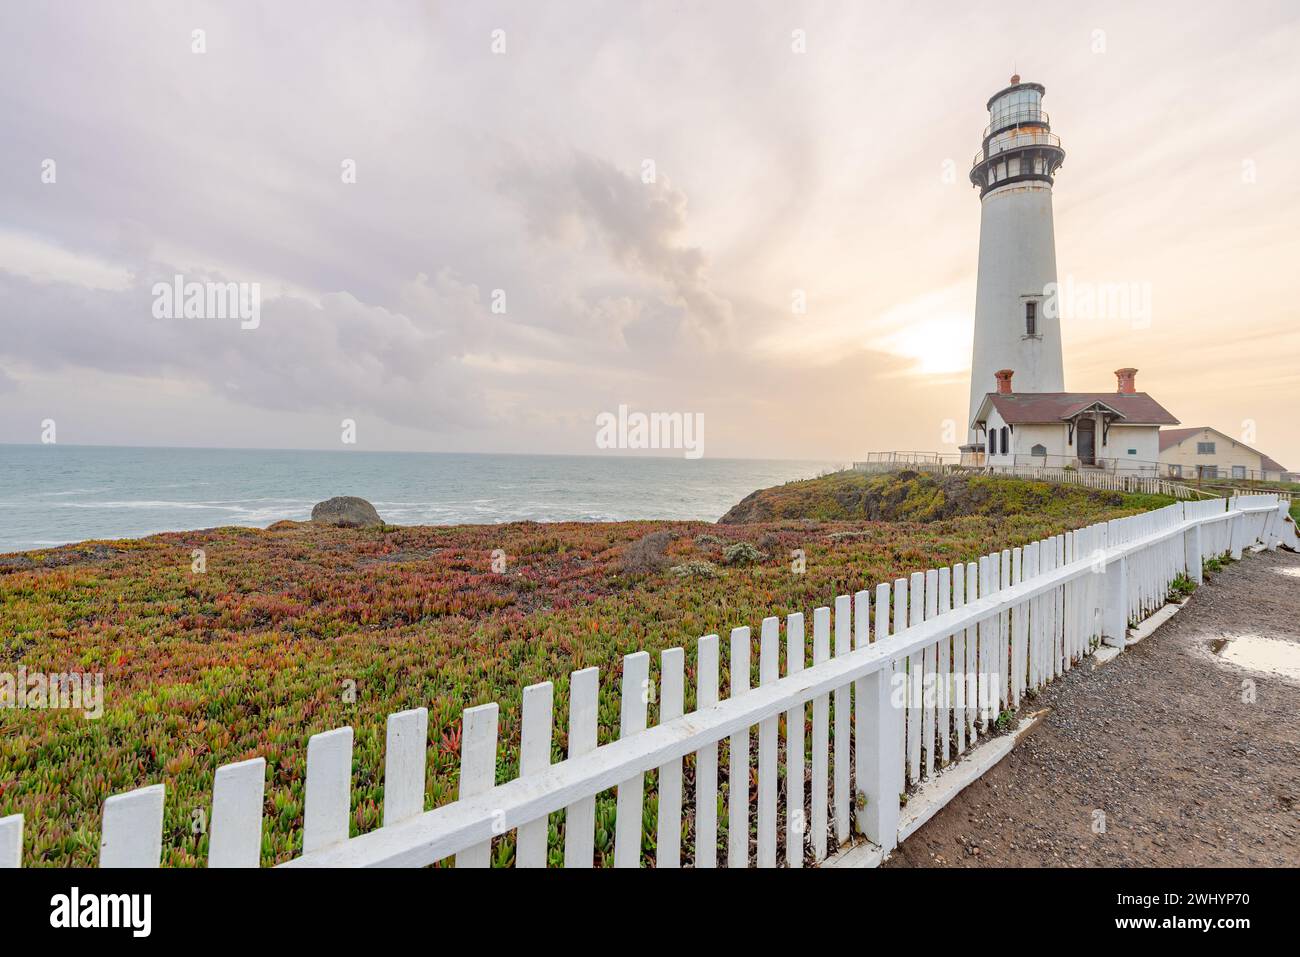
55,494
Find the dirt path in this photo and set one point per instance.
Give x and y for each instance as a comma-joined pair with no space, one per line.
1160,740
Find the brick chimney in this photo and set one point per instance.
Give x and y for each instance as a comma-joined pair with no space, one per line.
1004,381
1126,377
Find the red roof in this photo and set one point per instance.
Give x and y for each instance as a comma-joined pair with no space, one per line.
1134,408
1170,437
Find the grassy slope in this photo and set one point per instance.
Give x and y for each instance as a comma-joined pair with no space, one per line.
254,656
923,497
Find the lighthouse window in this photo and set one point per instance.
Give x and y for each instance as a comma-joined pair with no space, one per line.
1031,318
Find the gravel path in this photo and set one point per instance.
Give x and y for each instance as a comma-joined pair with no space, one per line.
1160,741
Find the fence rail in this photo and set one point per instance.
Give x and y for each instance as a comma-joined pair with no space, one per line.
902,682
1119,481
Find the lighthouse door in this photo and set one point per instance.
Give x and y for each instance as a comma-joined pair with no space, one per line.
1087,438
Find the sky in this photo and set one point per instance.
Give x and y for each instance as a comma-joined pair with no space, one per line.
479,226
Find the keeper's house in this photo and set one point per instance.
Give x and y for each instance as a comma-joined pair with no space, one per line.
1210,454
1086,430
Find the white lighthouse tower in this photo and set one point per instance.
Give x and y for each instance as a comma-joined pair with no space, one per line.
1014,171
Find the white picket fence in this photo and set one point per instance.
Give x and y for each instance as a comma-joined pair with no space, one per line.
1117,481
980,635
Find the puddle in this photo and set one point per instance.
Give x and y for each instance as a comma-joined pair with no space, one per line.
1254,653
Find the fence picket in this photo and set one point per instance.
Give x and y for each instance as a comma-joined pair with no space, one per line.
900,668
329,789
959,666
985,645
843,634
404,764
881,770
1058,598
629,802
580,816
768,672
943,685
478,766
738,774
132,829
862,721
820,735
11,841
534,757
672,679
1018,632
706,759
972,657
796,821
915,664
237,794
929,671
1004,634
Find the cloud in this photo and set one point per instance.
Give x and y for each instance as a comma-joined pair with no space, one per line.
818,172
340,354
639,225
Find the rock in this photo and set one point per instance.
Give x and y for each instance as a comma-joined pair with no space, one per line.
346,511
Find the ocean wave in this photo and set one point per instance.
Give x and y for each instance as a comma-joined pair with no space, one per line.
161,504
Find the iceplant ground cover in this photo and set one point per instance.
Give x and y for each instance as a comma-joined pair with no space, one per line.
298,629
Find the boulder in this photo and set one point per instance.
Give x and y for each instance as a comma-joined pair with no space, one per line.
345,511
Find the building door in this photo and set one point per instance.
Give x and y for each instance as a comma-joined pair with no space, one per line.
1087,439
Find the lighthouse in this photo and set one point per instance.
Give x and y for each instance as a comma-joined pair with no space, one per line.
1014,171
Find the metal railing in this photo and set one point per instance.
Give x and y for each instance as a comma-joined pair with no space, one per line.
1117,479
1017,140
1015,119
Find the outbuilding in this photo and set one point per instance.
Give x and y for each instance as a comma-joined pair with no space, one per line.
1117,431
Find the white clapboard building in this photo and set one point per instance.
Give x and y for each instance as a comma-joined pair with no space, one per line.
1118,431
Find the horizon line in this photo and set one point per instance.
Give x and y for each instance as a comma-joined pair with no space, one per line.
617,453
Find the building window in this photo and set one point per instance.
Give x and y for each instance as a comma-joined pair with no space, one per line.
1209,471
1176,471
1204,448
1038,450
1006,446
1239,471
1132,451
1031,318
993,441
